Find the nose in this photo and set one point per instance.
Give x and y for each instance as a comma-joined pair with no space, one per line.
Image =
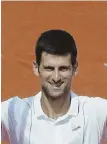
56,76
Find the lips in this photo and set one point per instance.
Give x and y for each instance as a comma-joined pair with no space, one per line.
56,86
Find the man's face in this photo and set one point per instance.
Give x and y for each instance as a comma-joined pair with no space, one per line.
55,74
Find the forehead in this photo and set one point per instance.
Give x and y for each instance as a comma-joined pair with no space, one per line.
49,59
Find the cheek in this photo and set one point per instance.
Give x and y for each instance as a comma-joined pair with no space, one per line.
67,75
68,78
45,74
44,77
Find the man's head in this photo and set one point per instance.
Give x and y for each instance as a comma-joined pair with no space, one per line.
55,62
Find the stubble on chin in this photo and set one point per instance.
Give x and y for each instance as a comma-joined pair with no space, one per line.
55,95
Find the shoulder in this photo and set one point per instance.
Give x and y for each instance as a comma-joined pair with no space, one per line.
94,102
95,113
17,104
14,103
15,107
94,106
97,102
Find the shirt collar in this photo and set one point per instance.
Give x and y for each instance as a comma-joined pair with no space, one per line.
74,107
73,110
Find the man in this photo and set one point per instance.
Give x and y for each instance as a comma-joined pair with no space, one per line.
55,115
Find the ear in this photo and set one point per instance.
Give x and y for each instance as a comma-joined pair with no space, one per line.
35,68
75,69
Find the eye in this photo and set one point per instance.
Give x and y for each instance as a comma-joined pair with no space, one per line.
49,68
63,68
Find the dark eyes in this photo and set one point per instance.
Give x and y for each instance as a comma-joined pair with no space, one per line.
49,68
63,68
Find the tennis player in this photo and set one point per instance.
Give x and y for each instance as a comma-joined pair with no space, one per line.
55,115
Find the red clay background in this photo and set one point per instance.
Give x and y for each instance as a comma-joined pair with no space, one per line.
22,23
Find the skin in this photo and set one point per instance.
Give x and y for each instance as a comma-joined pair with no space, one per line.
55,74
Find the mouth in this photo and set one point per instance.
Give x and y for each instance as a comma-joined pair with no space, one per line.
56,86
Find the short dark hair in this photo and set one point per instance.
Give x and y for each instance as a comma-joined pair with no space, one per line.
56,42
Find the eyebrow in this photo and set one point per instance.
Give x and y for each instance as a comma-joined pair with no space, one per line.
48,66
63,66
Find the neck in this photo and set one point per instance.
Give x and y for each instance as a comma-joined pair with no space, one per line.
55,107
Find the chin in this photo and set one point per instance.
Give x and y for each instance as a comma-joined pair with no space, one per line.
55,94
